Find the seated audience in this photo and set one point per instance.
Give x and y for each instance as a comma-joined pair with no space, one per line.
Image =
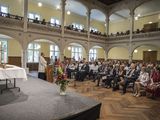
113,73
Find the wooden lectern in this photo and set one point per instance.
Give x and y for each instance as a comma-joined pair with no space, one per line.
49,73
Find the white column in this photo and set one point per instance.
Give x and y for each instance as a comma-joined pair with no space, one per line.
88,31
131,34
63,4
88,22
25,9
62,56
24,59
107,25
106,55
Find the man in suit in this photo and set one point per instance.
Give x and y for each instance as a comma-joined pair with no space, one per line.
131,76
84,71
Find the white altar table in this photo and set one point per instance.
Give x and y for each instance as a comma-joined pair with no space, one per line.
12,72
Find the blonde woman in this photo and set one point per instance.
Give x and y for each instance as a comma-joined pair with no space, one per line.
142,81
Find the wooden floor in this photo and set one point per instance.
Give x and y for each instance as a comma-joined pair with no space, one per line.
120,107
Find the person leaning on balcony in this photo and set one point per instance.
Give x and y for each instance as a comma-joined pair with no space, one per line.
43,22
36,20
42,67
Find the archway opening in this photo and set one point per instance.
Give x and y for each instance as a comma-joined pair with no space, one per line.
75,52
119,22
75,15
146,53
10,50
96,53
118,53
147,16
50,49
97,24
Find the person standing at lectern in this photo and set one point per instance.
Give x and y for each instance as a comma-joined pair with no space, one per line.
41,67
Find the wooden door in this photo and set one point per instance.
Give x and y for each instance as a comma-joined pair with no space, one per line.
149,56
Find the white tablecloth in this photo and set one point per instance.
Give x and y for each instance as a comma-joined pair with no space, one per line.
13,72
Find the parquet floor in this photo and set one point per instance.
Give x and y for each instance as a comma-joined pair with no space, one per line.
119,107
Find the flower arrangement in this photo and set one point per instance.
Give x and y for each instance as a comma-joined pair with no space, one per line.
61,80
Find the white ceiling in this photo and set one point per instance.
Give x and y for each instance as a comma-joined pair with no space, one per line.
97,15
149,7
78,8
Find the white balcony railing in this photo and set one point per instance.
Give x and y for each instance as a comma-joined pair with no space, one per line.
16,23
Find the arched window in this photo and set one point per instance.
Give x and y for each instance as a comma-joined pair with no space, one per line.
76,53
92,54
54,51
54,21
33,52
4,51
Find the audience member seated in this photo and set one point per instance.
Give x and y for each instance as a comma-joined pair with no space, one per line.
137,31
43,22
80,76
117,34
71,69
111,34
119,78
83,30
127,32
122,33
91,31
142,81
111,73
130,77
142,31
154,86
36,20
102,71
93,70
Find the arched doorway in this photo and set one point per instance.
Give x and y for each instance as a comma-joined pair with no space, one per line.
75,51
10,50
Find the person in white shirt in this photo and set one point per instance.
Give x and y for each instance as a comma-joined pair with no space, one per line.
41,67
